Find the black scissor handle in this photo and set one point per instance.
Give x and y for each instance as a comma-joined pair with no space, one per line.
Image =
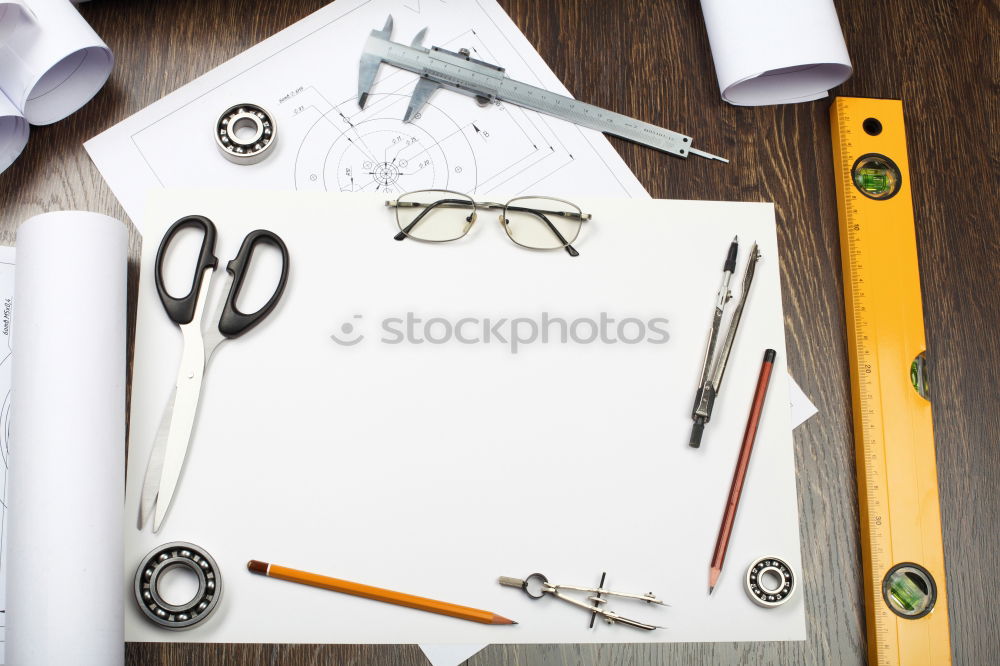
234,323
181,310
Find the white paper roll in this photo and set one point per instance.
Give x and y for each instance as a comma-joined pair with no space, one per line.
55,65
776,51
13,132
67,460
13,16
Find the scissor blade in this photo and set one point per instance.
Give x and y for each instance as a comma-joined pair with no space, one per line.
154,467
187,393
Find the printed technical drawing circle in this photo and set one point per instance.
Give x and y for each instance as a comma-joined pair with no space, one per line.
190,613
352,150
386,174
246,134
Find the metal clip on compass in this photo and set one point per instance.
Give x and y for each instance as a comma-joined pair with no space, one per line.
537,586
714,366
488,83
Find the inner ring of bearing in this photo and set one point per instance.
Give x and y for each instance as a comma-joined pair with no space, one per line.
241,119
160,568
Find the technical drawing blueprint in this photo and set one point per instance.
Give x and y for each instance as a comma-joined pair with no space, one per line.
6,358
306,77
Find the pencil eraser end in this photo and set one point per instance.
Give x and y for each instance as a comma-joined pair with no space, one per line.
257,567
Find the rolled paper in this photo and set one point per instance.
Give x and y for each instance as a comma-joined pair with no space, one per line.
776,51
67,450
53,65
13,132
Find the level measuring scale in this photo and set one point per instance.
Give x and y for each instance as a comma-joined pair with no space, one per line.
905,592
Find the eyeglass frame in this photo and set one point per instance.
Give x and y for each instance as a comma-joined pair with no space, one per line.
488,205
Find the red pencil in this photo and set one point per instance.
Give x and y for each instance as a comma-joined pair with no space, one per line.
739,475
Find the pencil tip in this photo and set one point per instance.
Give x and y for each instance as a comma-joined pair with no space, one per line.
711,588
736,239
713,578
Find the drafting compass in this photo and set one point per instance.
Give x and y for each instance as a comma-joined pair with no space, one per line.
714,366
537,586
439,68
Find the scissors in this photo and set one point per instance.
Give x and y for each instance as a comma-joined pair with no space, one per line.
174,434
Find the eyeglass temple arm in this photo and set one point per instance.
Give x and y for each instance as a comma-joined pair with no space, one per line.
404,232
489,205
570,250
583,217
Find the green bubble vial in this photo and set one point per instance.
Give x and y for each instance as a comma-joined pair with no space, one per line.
909,590
876,176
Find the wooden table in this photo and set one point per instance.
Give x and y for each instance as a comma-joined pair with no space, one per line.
651,60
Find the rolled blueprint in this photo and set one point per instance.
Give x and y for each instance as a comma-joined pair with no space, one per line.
13,132
13,16
67,450
776,51
54,65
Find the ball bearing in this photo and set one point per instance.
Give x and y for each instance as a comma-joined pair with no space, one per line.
195,610
764,594
246,134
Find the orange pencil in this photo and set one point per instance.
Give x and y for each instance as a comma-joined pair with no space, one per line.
376,593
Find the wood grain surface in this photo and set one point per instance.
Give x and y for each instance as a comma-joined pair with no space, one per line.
651,60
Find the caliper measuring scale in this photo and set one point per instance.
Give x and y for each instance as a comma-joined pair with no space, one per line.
488,83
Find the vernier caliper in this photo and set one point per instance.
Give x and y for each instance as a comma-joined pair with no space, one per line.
488,83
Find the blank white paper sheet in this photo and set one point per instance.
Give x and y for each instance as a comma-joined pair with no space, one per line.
434,467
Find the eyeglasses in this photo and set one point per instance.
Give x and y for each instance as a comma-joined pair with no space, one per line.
537,223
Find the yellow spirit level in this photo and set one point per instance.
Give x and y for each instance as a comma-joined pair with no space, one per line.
905,593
